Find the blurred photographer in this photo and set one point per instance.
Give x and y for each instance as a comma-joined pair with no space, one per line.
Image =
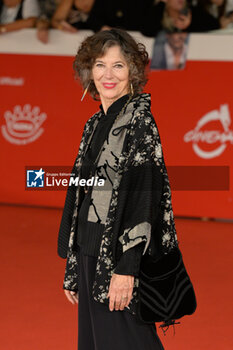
48,7
170,50
18,14
169,14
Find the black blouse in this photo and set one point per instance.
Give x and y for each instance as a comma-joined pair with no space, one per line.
90,233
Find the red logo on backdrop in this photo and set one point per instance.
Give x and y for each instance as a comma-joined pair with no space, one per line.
23,124
212,133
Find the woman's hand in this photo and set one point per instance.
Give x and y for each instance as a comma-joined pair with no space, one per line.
225,21
71,296
66,27
120,291
42,35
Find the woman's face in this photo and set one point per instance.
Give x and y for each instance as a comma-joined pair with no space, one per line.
111,75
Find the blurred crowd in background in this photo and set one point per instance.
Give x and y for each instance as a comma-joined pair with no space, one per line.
146,16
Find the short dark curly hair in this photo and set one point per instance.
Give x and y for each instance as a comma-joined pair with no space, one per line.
97,44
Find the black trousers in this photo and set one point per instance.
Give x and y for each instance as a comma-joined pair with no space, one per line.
102,329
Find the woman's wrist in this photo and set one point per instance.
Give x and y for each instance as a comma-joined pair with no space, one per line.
129,263
43,24
58,24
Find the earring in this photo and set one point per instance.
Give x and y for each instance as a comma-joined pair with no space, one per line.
131,89
85,91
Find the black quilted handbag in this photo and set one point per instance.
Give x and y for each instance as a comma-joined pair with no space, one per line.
165,290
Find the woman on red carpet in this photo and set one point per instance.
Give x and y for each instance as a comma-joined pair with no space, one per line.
108,226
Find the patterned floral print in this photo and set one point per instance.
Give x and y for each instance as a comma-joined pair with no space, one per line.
142,146
136,235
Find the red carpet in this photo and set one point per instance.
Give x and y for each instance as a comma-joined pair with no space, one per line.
35,314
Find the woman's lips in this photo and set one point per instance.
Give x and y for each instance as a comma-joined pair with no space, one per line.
109,85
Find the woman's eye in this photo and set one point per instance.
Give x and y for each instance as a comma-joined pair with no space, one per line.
99,65
118,66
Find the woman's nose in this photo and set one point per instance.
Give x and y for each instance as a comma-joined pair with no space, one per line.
108,73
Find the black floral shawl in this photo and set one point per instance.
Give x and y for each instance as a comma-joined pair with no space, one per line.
140,207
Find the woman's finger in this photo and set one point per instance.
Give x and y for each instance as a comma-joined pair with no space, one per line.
74,295
111,296
69,296
123,303
129,296
117,302
111,300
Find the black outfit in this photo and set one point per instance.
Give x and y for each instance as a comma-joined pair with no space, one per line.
125,14
102,329
129,209
201,21
89,233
